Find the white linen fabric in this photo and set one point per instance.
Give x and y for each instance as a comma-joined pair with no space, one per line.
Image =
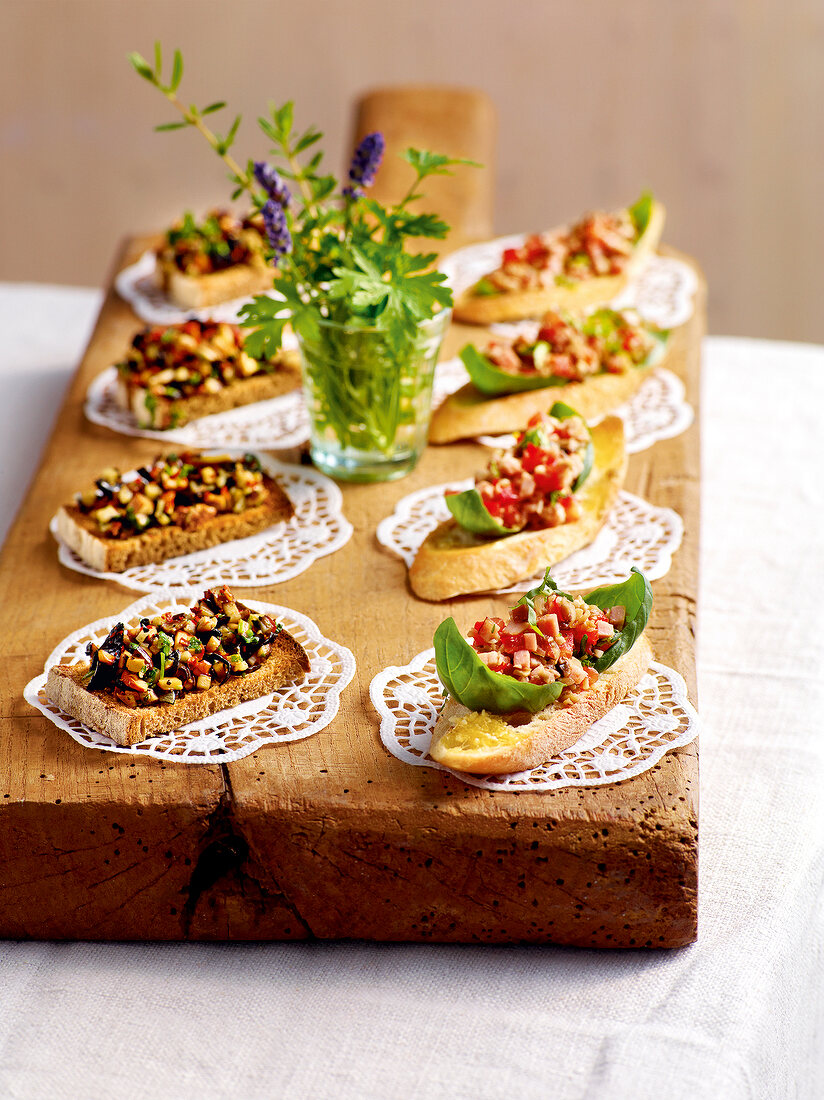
45,331
740,1014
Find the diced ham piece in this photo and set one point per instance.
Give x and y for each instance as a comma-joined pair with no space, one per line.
617,616
548,624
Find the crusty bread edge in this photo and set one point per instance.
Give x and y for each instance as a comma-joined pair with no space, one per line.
551,730
483,565
200,291
128,725
242,391
516,305
160,543
468,412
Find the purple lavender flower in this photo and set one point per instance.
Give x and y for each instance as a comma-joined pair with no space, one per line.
277,230
271,182
365,164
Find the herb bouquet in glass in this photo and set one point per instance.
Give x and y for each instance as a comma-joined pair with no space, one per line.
369,315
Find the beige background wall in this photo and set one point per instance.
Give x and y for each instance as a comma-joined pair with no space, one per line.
717,106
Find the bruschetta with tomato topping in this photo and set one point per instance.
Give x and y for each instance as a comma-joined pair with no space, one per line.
526,687
546,497
571,267
594,362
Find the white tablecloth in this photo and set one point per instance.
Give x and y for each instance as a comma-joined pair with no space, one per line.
738,1015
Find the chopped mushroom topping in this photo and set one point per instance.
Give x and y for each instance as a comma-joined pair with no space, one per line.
194,357
186,490
221,240
170,655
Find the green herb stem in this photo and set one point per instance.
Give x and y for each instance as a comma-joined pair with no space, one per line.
194,119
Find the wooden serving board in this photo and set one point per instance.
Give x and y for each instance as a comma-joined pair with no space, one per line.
331,836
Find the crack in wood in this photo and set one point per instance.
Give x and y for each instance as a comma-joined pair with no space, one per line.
224,851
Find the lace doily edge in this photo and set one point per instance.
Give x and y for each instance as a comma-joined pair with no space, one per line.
275,468
381,680
348,668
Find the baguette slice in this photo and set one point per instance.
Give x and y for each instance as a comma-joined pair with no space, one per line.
198,291
468,412
173,413
80,532
453,562
128,725
515,305
492,744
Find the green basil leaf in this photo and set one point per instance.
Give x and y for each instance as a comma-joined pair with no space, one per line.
467,679
493,382
472,514
640,212
635,596
484,289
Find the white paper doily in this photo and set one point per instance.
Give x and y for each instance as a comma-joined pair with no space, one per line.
635,533
655,717
296,711
657,410
275,555
663,291
276,424
138,285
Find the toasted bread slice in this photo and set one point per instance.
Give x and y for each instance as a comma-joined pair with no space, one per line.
454,562
80,532
128,725
515,305
468,412
199,291
493,744
160,413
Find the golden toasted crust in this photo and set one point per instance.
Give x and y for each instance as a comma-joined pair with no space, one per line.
80,532
128,725
468,412
514,305
549,732
169,413
198,291
454,562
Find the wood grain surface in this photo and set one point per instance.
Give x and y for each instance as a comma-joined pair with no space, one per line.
332,836
460,122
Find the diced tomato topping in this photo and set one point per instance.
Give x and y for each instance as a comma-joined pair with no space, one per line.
570,634
532,456
549,480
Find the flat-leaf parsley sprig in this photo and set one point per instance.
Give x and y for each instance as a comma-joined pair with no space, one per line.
340,256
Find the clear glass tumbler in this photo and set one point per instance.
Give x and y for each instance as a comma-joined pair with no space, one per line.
370,397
